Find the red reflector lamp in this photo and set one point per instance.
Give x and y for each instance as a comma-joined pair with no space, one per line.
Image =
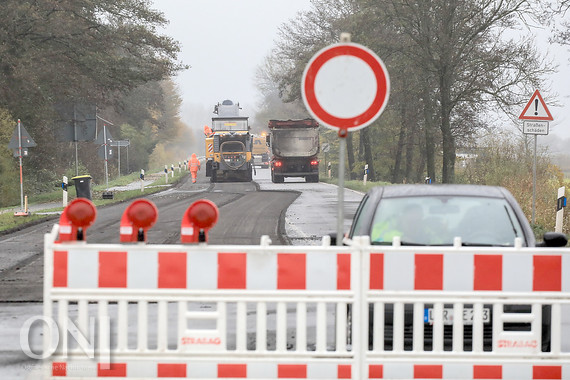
314,162
278,163
77,217
137,219
198,219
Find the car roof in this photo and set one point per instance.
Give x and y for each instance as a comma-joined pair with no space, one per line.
394,191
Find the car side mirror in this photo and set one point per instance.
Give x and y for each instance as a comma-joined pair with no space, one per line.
554,239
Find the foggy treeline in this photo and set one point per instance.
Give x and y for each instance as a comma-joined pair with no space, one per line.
98,52
454,65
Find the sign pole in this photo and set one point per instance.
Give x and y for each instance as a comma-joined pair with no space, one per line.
534,183
105,145
119,154
340,215
20,156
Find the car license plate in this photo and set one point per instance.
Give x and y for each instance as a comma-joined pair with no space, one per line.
448,316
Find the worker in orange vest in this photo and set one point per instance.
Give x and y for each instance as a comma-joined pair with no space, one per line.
194,165
208,131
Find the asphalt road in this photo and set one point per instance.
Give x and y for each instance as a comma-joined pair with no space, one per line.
291,213
245,214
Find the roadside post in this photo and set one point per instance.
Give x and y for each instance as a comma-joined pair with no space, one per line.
560,204
345,87
19,143
535,117
166,173
172,170
64,188
142,180
365,174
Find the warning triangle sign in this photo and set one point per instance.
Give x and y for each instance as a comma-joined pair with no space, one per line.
536,109
27,141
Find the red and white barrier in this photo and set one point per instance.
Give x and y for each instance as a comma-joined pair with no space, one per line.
350,312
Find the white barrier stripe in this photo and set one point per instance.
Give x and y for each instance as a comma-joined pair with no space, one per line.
517,273
399,271
83,266
437,327
418,325
104,331
281,329
83,317
241,328
261,332
378,339
182,323
142,326
457,342
398,327
321,327
162,339
461,277
301,344
142,269
221,308
123,325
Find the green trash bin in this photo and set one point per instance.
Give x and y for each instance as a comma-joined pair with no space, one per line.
82,185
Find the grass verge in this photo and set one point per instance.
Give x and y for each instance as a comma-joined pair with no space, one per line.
9,222
355,185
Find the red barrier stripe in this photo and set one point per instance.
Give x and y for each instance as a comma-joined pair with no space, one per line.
59,369
543,372
291,371
172,270
291,271
376,271
112,269
343,271
171,370
232,270
487,372
488,272
428,371
547,273
428,272
375,371
60,269
344,371
115,370
232,370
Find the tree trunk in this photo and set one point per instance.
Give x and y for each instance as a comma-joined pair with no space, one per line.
364,135
350,151
396,172
448,141
411,133
429,139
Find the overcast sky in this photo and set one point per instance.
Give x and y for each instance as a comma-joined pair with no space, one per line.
225,40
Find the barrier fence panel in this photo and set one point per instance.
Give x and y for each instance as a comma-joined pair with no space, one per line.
200,311
353,312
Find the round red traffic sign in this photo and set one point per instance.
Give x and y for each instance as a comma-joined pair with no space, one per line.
345,86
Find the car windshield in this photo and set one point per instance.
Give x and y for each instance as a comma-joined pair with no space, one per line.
437,220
